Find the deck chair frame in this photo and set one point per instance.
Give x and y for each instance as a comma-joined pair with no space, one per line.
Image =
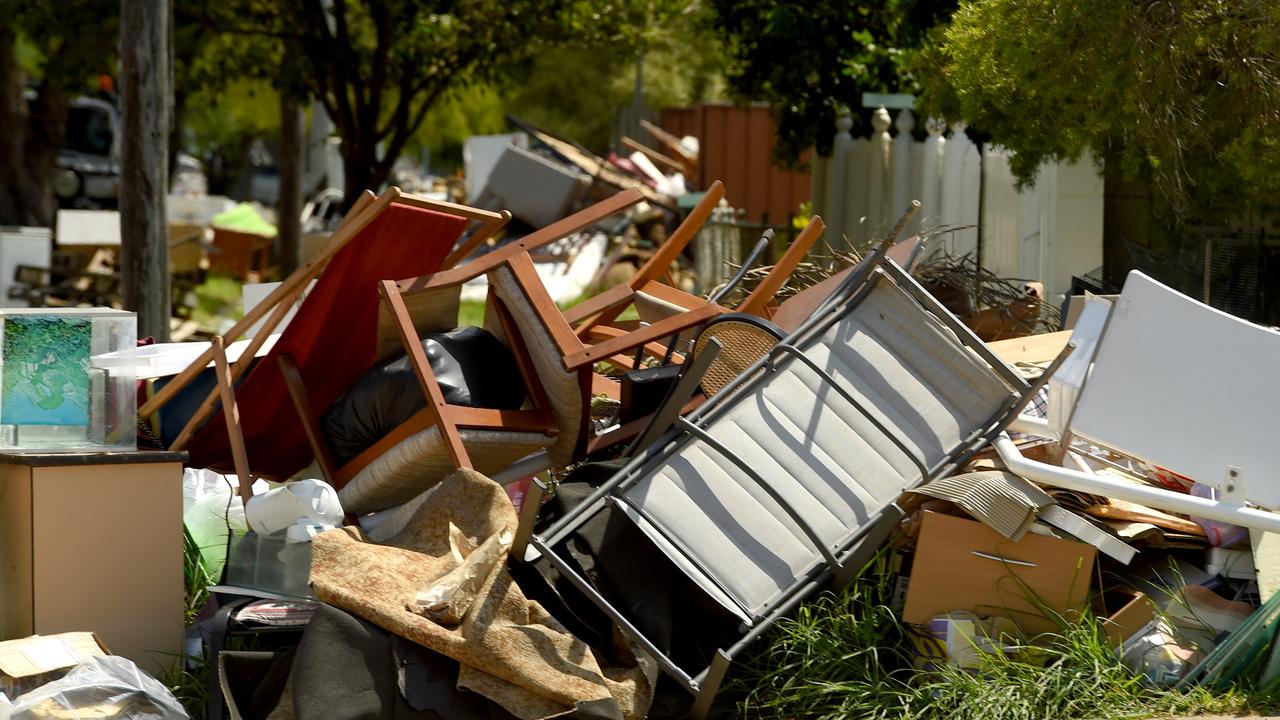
853,551
278,303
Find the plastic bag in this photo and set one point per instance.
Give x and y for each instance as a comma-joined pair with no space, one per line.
104,687
209,501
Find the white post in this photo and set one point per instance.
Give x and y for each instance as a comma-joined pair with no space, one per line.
1000,241
838,196
961,174
901,170
931,164
1071,223
859,174
879,191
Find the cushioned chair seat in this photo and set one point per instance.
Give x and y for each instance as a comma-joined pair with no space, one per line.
420,461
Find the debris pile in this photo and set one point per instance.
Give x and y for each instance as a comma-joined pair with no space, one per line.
600,508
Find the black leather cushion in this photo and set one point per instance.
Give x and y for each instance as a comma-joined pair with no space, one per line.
471,366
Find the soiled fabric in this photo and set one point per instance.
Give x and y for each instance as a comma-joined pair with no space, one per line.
510,649
348,669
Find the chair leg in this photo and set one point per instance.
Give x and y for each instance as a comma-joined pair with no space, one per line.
711,685
528,516
239,455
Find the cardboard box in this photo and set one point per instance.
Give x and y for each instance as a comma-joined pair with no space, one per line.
28,663
965,565
1128,620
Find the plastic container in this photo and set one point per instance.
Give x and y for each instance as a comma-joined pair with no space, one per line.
271,564
306,502
67,380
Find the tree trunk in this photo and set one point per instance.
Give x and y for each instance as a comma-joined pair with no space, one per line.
29,143
145,97
357,171
289,202
13,118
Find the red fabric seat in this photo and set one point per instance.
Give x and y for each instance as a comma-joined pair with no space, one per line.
332,339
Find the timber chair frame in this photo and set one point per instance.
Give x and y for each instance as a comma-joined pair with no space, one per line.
593,318
513,256
365,210
831,550
513,282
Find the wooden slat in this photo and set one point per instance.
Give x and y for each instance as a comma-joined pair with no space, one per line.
482,234
361,214
548,314
601,333
306,415
764,293
636,338
449,208
654,156
576,222
601,385
594,305
535,420
422,368
239,456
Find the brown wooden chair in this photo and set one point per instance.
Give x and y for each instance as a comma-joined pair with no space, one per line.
556,366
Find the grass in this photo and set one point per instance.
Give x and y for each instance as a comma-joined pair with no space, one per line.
847,656
217,302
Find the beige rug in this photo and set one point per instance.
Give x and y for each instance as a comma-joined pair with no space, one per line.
511,650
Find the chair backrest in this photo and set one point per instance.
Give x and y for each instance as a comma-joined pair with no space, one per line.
777,476
564,389
1198,380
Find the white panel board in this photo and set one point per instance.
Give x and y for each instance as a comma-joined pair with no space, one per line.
1187,387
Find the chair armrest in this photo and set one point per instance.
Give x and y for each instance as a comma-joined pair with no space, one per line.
778,276
641,336
578,221
436,404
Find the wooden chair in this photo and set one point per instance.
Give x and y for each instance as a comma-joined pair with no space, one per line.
555,364
330,345
595,319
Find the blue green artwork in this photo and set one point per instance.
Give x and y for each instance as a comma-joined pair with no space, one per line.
45,370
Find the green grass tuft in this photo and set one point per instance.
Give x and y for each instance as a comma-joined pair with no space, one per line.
846,655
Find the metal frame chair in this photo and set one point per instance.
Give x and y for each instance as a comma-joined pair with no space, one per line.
830,545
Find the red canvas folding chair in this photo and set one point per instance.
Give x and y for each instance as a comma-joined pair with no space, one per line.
332,339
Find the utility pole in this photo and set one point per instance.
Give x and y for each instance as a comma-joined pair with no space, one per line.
146,94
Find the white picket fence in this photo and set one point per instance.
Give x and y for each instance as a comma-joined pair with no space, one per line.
1047,232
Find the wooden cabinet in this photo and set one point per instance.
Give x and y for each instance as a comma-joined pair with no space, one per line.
93,541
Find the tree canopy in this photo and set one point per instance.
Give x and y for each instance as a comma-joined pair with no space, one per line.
810,58
1183,93
58,48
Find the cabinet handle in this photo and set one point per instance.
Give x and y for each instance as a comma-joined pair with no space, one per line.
1023,563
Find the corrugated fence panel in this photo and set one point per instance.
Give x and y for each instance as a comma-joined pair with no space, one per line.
736,144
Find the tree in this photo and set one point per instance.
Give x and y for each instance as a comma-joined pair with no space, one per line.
69,43
378,66
146,97
808,59
1182,93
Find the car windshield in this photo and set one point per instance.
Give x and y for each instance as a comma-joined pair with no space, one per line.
88,131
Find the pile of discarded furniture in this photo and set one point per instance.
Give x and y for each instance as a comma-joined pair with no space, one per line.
597,509
566,510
